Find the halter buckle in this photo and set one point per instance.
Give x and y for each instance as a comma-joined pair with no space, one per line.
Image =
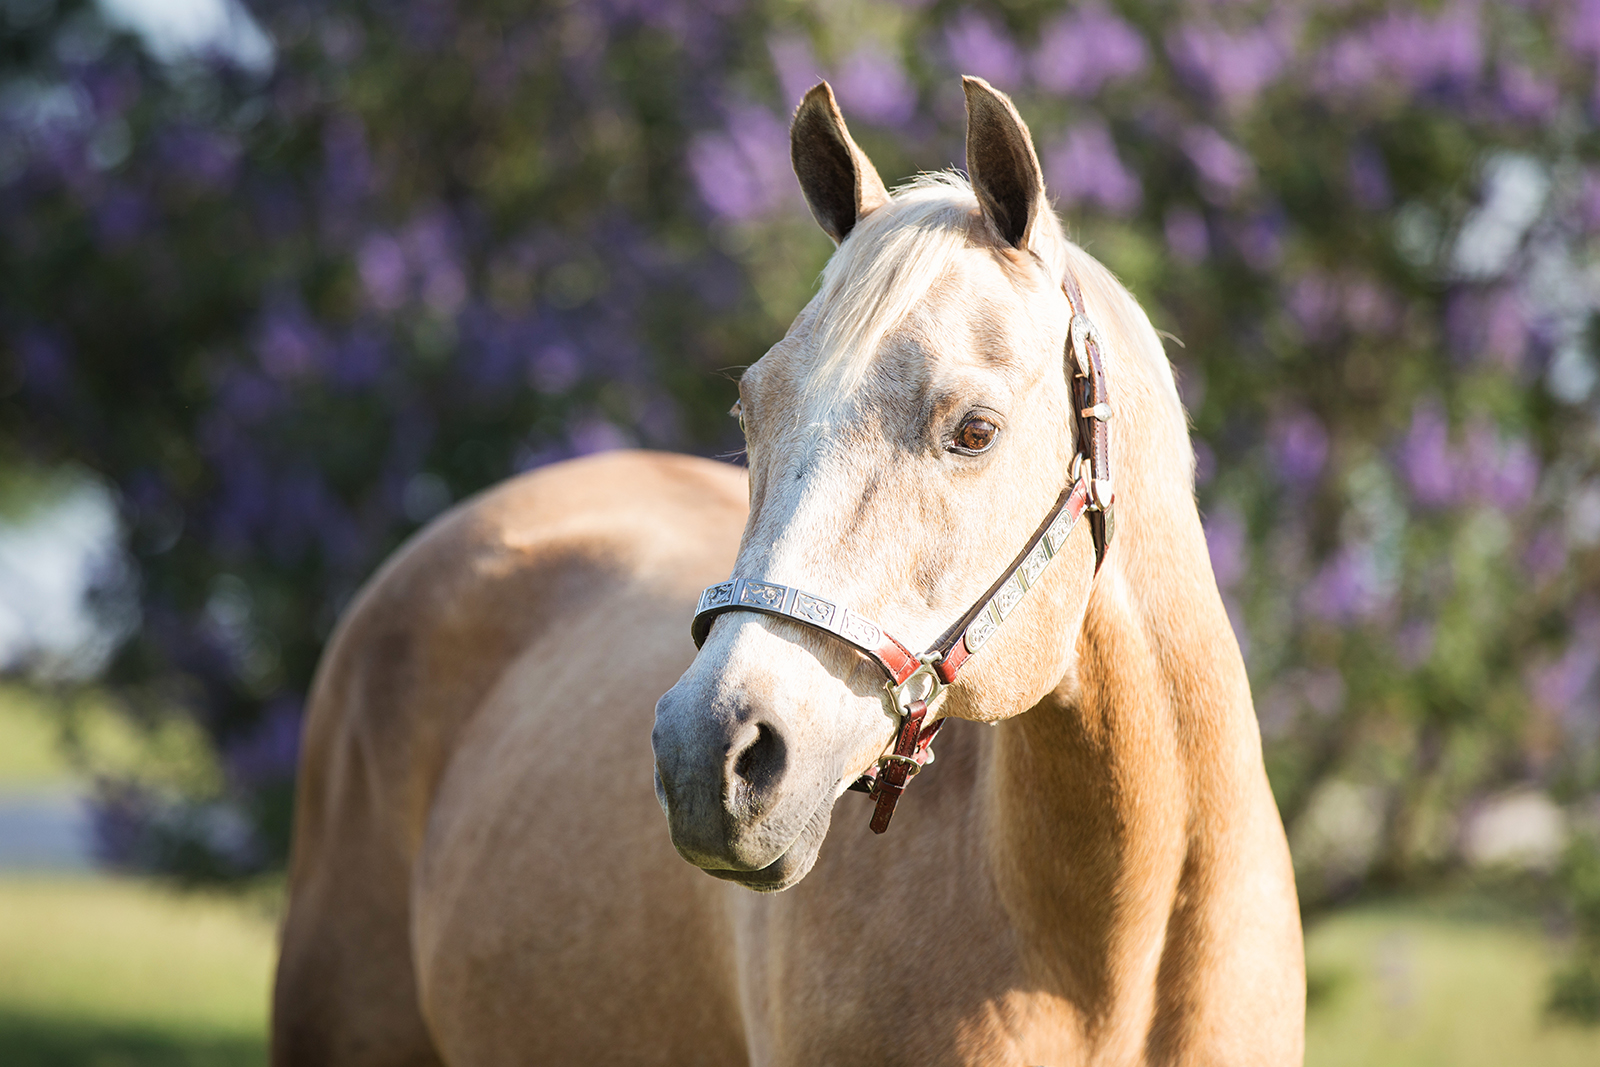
921,684
1083,332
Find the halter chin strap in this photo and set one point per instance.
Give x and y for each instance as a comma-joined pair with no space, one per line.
914,681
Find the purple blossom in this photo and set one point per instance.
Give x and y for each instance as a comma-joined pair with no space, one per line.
1187,235
270,751
1368,307
243,398
1580,32
46,363
1081,51
1260,240
1085,169
1425,459
1566,684
796,66
382,265
1224,169
431,243
979,46
205,159
1497,471
1299,446
1369,177
1228,543
1505,329
1414,643
743,172
1589,194
1349,588
1233,68
358,359
121,218
1418,52
347,173
596,435
1205,463
1502,473
119,817
1525,96
1546,555
1322,690
872,84
554,369
1314,303
288,344
1488,326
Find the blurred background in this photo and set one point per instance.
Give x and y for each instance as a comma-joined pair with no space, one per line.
281,280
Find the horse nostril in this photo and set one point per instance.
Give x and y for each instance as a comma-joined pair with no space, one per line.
756,771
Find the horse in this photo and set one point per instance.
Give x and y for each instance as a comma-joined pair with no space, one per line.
1093,871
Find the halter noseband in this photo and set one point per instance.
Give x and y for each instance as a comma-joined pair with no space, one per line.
915,680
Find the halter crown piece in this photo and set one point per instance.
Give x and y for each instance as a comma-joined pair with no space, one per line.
915,681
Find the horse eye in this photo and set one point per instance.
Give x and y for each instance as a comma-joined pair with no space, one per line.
976,434
737,411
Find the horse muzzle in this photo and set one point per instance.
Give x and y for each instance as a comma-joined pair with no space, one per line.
737,793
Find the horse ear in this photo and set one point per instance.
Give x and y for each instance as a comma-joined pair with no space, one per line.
1002,165
840,183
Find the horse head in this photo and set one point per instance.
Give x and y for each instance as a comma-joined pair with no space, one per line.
905,438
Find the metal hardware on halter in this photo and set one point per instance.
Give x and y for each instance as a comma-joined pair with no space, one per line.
922,684
1083,331
913,766
915,682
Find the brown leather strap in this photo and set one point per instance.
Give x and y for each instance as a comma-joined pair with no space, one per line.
887,782
1091,493
1092,400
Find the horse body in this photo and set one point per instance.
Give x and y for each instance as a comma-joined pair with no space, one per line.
481,875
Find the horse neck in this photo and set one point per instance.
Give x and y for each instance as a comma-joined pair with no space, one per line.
1119,786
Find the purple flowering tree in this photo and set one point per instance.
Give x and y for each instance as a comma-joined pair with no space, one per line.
292,311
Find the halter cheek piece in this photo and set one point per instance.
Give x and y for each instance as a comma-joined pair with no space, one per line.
915,680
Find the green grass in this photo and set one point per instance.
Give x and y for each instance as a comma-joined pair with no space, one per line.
103,972
1452,984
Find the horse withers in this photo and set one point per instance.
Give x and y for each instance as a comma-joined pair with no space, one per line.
481,874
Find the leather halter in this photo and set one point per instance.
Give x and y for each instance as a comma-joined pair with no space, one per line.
915,680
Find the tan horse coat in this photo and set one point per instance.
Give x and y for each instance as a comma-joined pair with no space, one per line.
481,874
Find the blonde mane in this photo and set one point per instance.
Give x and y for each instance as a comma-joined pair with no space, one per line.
889,261
898,252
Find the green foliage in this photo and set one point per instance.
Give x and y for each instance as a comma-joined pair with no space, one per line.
292,314
1575,988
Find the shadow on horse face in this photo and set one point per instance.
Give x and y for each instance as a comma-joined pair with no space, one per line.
748,749
904,439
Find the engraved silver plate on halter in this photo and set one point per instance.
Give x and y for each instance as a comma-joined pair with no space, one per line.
1059,531
1035,564
812,609
764,595
984,625
1008,597
860,630
1083,331
717,595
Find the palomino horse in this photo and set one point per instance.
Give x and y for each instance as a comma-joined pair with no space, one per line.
481,874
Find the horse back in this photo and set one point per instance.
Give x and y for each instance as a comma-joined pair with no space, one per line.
495,680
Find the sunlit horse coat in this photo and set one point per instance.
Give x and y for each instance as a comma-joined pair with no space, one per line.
482,874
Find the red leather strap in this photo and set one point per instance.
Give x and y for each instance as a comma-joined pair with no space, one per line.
911,753
787,602
1090,493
